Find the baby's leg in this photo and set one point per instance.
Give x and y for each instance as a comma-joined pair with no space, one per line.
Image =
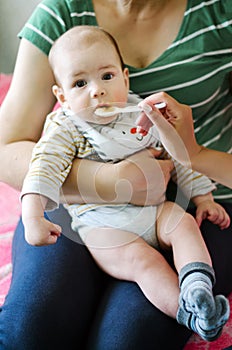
126,256
178,230
199,309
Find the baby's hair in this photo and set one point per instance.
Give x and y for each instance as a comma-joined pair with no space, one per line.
66,38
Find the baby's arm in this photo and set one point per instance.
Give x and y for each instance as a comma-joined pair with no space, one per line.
208,209
38,230
198,188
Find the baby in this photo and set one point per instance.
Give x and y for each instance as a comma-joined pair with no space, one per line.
125,240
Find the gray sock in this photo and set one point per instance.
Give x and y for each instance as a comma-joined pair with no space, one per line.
198,309
210,329
196,296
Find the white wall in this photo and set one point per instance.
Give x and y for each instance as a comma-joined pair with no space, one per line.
13,14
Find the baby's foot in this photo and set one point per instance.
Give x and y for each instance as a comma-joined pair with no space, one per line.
212,327
208,328
199,300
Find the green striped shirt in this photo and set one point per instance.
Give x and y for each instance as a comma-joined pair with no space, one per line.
194,69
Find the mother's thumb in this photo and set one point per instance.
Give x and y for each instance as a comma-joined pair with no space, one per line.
155,116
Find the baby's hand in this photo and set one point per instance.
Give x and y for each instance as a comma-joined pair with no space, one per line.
214,212
39,231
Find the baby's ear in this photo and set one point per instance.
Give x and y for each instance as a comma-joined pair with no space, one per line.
58,92
126,77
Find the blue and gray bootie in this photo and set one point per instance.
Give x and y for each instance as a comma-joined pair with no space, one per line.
198,309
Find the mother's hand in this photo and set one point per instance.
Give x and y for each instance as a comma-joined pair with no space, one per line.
147,177
174,125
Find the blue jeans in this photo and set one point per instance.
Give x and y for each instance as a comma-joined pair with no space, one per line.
59,299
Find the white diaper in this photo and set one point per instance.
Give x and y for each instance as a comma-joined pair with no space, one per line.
136,219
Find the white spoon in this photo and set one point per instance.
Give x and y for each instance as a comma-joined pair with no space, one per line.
112,110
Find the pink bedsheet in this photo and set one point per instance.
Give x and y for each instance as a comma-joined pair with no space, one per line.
10,210
9,215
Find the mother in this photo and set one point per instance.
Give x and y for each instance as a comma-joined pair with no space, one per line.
58,297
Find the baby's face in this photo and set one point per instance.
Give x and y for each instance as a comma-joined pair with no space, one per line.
92,77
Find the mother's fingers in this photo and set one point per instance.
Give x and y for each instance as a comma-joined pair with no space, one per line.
169,137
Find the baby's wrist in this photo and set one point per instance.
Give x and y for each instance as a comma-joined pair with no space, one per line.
203,198
30,218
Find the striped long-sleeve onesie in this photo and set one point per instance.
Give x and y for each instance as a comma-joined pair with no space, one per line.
67,136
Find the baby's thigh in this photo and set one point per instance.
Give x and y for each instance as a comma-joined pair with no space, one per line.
119,253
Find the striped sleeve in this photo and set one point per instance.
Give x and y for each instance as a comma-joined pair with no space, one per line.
51,160
52,18
191,182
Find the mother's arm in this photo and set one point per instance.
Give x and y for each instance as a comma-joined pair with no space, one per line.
22,117
23,112
178,137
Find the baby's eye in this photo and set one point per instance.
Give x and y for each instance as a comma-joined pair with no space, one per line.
107,76
80,83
